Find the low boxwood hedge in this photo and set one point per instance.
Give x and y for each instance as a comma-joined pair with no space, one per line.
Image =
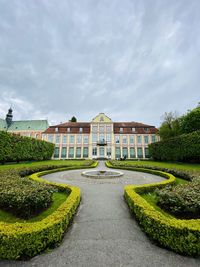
182,236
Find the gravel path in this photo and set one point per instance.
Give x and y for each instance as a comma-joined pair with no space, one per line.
103,232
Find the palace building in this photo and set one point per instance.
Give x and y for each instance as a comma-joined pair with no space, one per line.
101,138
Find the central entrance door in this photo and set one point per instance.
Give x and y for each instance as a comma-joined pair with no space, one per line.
101,152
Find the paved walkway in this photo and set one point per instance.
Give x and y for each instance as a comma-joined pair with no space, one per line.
103,232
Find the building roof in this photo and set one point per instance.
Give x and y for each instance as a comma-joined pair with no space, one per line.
3,124
74,127
29,125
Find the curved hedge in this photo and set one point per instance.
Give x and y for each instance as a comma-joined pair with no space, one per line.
15,148
28,239
182,236
185,147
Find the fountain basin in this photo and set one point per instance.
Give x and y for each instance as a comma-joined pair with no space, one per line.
100,174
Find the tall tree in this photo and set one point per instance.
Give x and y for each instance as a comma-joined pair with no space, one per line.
73,119
191,121
170,126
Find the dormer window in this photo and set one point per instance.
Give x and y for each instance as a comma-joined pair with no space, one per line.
68,130
146,129
133,129
121,130
80,130
56,129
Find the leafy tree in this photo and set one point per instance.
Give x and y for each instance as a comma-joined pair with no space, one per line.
191,121
73,119
170,126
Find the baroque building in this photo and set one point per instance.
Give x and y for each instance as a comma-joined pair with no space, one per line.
101,138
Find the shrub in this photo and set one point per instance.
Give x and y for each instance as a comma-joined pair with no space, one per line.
181,200
15,148
185,147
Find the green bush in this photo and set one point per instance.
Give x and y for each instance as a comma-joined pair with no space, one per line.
181,200
15,148
185,147
23,197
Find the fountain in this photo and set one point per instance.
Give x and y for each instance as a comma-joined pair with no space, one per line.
102,174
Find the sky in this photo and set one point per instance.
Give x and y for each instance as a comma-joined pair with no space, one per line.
133,59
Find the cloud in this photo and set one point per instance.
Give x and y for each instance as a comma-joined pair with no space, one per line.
133,60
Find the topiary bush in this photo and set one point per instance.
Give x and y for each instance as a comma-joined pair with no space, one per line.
15,148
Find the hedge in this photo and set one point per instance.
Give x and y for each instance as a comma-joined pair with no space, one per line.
182,236
15,148
25,240
185,147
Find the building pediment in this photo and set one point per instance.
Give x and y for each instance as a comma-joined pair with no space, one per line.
101,118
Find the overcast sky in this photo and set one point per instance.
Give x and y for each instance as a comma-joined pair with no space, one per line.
132,59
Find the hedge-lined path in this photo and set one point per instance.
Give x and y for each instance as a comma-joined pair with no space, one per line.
103,232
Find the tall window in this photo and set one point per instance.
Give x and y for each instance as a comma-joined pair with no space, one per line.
94,137
124,139
101,128
121,130
94,151
133,129
78,152
101,137
57,139
64,139
86,139
85,152
71,140
94,128
80,130
116,139
79,139
56,129
139,152
56,152
117,153
50,138
108,151
64,153
71,152
108,128
139,139
131,139
68,129
146,139
153,139
108,137
132,152
125,152
146,151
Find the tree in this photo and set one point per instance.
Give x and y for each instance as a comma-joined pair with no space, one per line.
191,121
73,119
170,126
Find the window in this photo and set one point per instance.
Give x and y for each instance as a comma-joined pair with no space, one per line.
108,151
79,139
139,152
133,129
101,129
146,139
108,128
153,139
56,152
44,137
94,137
94,128
132,152
85,152
121,130
101,137
146,129
139,139
108,137
116,139
131,139
125,152
56,129
78,152
50,138
146,151
86,139
124,139
80,130
71,140
68,130
71,152
64,139
94,151
117,153
57,139
64,153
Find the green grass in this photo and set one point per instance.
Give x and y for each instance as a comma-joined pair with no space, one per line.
42,163
171,165
58,199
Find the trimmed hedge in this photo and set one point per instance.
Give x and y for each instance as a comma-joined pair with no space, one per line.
182,236
15,148
185,147
25,240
